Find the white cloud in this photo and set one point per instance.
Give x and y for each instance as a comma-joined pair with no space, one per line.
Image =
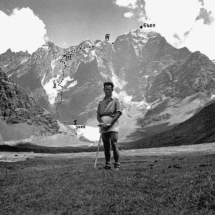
172,17
128,15
126,3
176,21
202,38
210,6
22,30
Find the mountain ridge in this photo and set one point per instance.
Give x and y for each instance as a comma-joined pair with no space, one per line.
68,82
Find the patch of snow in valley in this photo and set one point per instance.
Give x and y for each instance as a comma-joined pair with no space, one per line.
50,91
53,92
90,133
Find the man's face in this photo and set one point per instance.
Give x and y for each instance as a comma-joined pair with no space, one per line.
108,90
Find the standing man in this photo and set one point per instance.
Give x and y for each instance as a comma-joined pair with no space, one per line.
109,110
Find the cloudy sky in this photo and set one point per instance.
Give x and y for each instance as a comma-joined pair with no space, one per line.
28,24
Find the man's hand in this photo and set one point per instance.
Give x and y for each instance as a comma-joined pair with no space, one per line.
102,125
107,126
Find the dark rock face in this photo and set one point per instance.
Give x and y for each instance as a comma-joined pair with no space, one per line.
18,107
191,75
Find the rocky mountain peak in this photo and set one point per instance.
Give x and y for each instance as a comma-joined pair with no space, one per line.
197,55
8,51
12,60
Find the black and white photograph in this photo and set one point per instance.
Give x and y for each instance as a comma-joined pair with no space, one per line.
107,107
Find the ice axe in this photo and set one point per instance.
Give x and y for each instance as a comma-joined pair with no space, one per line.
100,139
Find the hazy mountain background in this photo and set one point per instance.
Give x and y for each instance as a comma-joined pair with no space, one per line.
159,86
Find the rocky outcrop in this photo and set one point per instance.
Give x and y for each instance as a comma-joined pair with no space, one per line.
18,107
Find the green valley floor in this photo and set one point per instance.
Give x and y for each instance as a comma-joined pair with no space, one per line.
171,180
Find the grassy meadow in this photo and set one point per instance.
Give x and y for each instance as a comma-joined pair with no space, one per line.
164,184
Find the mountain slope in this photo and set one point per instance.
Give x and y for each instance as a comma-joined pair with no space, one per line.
20,116
176,94
200,128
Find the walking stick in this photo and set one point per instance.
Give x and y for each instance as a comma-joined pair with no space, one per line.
100,139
